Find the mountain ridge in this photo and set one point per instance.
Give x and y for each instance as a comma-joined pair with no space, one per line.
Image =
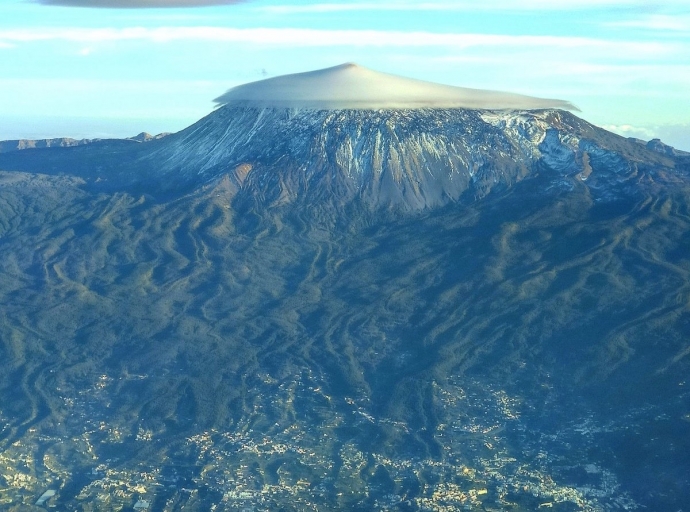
7,146
299,309
386,158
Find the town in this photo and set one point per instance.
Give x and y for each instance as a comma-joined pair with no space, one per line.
489,459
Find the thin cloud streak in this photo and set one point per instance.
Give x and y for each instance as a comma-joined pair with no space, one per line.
612,73
338,38
136,4
627,130
679,23
464,5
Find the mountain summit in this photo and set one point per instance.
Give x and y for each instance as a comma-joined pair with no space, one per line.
295,304
347,135
407,159
351,86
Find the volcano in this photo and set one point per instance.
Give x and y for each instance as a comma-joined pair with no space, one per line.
344,290
347,135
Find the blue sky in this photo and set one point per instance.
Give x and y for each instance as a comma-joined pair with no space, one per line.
83,72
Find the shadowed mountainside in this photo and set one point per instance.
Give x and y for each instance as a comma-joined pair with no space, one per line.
239,304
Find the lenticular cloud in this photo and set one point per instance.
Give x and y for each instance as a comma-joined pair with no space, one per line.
350,86
133,4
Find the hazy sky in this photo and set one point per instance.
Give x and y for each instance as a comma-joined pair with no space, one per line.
79,71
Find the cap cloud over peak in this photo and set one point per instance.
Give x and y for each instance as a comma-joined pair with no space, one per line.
350,86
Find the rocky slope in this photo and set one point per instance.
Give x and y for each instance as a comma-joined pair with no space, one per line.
406,160
294,309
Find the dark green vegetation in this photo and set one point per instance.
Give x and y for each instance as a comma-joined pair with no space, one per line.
174,333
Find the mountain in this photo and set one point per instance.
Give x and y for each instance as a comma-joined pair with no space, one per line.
660,147
7,146
16,145
409,159
294,307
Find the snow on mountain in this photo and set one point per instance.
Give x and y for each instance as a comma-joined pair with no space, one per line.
408,145
408,158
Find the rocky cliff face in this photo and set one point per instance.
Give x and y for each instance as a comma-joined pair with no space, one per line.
407,159
389,159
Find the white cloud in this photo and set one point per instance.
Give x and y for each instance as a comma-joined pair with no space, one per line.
469,5
677,23
355,7
342,38
136,4
626,130
629,75
352,86
676,135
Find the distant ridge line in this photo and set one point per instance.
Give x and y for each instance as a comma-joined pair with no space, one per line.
7,146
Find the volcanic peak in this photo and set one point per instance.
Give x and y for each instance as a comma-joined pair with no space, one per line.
350,86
